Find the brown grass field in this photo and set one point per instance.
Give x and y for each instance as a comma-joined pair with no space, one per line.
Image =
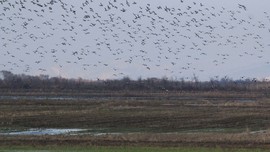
210,119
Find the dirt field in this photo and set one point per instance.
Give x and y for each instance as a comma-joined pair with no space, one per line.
209,119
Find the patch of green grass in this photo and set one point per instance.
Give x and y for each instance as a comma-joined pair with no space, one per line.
119,149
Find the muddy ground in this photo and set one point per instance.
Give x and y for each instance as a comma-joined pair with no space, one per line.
227,119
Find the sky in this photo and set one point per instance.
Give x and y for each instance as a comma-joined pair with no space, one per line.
111,39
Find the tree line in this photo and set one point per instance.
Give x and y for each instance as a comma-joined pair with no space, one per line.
10,81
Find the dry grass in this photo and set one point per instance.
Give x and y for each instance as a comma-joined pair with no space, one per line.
233,140
179,118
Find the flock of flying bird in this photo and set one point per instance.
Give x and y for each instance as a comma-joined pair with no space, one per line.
115,38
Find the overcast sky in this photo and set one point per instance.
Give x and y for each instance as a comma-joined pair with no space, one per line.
110,39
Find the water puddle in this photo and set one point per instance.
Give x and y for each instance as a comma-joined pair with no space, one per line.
38,98
52,131
104,132
44,132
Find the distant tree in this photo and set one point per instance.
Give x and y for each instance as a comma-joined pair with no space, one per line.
44,82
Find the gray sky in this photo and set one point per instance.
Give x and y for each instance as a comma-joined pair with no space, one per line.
154,38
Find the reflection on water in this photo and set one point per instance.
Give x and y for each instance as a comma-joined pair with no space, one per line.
44,132
36,98
51,131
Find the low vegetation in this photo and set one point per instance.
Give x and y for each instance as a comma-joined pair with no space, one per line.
184,119
120,149
135,114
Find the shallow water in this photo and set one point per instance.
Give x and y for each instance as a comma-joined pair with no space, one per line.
38,98
52,131
44,132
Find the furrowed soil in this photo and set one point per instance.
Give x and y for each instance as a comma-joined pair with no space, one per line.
210,119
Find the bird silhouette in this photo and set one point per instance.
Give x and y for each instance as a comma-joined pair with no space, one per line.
104,35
